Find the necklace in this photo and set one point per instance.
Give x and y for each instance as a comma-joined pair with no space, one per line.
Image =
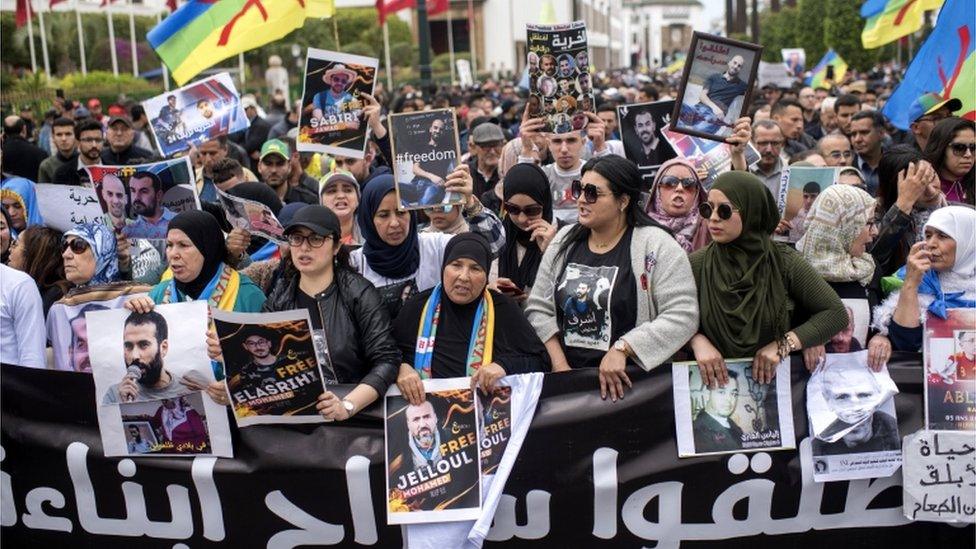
612,240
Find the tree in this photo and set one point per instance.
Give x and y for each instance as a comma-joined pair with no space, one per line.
808,29
842,31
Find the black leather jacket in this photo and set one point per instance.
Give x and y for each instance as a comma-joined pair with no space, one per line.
357,328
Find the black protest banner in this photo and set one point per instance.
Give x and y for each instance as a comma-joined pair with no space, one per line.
591,473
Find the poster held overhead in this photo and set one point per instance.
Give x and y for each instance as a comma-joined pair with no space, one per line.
332,107
641,131
560,84
425,151
252,216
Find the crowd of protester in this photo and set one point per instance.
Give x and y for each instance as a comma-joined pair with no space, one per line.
560,257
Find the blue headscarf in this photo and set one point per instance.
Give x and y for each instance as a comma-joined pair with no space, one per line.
22,190
389,261
102,242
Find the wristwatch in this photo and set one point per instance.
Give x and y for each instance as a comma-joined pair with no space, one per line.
349,406
622,346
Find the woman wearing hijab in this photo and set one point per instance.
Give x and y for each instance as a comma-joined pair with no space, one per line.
751,290
938,276
614,288
465,328
839,227
6,239
91,266
195,252
397,258
673,202
20,202
258,248
529,228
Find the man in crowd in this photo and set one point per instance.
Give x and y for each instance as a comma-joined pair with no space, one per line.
211,152
789,115
835,150
90,138
146,198
607,111
925,112
289,121
845,107
228,173
145,339
121,149
253,138
20,157
63,137
487,140
275,167
140,125
424,436
767,137
811,112
95,111
867,133
714,428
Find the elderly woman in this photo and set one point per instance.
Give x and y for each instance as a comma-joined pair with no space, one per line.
938,276
673,202
593,273
461,328
839,227
758,298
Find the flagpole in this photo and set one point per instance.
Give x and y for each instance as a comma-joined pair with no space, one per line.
335,31
132,39
472,41
240,65
81,40
30,35
450,40
159,17
386,53
47,60
111,40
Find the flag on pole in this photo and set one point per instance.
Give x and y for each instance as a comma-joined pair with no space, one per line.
818,76
24,13
201,33
895,19
945,65
54,3
385,8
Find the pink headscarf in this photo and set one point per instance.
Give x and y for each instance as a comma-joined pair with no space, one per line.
688,229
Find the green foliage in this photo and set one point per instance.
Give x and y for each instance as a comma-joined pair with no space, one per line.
778,32
842,31
441,63
808,29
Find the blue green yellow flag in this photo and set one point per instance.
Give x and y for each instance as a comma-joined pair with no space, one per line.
818,75
203,33
888,21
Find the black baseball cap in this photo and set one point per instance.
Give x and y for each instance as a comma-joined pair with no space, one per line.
318,219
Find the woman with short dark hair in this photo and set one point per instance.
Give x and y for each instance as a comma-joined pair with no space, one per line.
951,150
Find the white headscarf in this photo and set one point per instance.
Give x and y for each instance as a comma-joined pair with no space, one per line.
959,222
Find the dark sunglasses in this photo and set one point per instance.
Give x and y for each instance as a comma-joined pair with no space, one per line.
295,240
672,181
589,192
529,211
959,149
725,210
77,245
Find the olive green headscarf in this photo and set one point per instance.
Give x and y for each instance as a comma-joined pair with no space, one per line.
741,289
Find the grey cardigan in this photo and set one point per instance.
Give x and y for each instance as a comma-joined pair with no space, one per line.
667,316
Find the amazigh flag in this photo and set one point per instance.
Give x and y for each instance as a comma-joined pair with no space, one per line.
202,33
895,19
945,65
818,76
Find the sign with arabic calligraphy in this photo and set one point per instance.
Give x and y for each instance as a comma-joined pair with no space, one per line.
272,367
940,476
432,455
560,85
590,473
65,206
949,347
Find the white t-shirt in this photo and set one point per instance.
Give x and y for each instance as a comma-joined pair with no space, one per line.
22,338
428,273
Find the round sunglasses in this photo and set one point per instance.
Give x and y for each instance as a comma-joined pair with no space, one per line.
529,211
724,209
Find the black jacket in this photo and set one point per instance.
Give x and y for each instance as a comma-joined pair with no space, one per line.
22,158
357,328
126,156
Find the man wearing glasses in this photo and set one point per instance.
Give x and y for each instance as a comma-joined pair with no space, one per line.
768,139
925,112
836,150
90,139
487,140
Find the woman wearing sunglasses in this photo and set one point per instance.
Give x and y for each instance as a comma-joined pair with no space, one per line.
397,258
758,298
348,316
673,202
529,228
951,150
593,273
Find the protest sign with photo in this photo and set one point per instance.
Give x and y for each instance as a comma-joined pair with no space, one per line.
939,476
716,87
67,326
560,85
795,60
332,107
714,157
159,361
433,455
799,187
495,410
65,206
949,349
195,113
853,426
425,151
252,216
271,366
744,415
641,128
140,200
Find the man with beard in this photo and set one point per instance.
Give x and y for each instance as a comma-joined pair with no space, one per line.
91,138
548,65
719,92
852,395
145,344
137,444
78,352
425,438
714,429
112,192
333,100
146,192
427,184
646,130
275,169
844,341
